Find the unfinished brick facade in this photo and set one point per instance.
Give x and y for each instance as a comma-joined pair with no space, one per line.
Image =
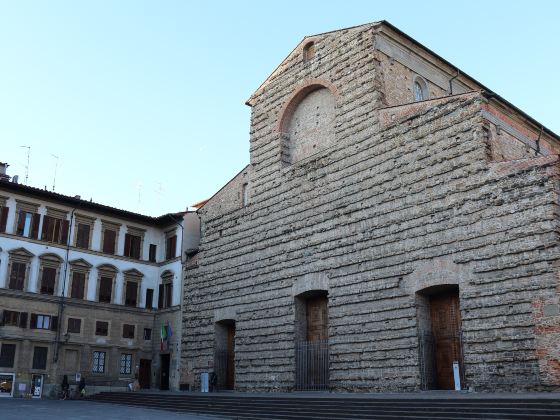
455,194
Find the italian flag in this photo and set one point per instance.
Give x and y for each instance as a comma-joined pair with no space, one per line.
165,335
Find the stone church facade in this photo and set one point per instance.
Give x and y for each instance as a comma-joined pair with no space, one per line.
395,230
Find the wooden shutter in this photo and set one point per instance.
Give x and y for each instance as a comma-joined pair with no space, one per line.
168,288
48,280
64,232
131,298
78,285
17,276
152,256
3,218
21,222
109,238
105,289
149,298
54,323
36,219
127,238
45,228
33,323
23,320
160,297
2,318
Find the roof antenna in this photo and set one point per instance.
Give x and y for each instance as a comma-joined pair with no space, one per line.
27,166
55,168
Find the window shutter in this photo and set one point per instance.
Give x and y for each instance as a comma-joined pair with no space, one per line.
64,232
35,225
127,245
21,222
160,297
3,218
54,323
45,229
33,323
109,241
23,320
2,318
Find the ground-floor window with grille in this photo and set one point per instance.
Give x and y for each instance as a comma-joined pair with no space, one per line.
98,362
126,364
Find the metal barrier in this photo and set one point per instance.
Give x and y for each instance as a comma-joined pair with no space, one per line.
312,365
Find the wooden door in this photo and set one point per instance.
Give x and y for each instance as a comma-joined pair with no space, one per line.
317,319
446,329
164,378
230,364
144,373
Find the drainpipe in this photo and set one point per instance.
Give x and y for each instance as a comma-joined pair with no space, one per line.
61,300
451,82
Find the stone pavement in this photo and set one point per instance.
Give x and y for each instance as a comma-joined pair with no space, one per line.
17,409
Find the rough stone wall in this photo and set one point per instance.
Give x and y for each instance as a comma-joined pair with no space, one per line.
398,193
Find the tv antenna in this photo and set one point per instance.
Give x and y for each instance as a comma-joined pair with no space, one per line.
27,166
55,168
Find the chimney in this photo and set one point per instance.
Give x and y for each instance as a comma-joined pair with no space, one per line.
3,176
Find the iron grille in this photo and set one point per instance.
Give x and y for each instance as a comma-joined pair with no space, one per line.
312,365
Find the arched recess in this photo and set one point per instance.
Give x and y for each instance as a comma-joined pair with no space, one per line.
306,123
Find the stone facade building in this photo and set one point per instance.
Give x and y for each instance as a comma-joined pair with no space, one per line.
85,289
395,230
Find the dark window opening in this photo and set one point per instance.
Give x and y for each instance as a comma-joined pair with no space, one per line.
7,355
28,224
13,318
149,298
101,328
147,334
153,250
54,230
165,295
128,331
40,357
131,296
105,289
3,218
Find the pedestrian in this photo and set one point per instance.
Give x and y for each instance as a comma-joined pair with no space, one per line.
82,387
65,387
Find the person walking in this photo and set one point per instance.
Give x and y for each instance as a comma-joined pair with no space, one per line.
65,388
82,387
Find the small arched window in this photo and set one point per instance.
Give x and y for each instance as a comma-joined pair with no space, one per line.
420,89
308,51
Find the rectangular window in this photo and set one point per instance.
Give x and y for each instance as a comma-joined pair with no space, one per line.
131,295
126,364
98,362
132,246
102,328
105,289
48,280
74,325
128,331
165,295
149,298
7,355
78,285
55,230
82,235
15,319
245,194
40,357
17,275
3,218
28,224
153,250
147,334
170,247
109,241
44,322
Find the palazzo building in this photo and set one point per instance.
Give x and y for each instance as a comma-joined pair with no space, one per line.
87,290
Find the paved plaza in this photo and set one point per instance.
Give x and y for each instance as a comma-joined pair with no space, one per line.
16,409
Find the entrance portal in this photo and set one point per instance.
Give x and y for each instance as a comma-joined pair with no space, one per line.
144,373
164,378
439,320
312,345
224,358
6,384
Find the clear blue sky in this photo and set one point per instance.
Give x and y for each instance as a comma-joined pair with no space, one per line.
143,101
